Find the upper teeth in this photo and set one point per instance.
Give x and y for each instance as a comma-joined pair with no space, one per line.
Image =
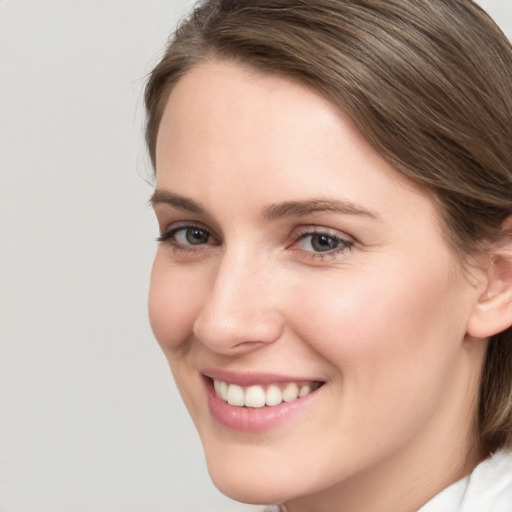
258,396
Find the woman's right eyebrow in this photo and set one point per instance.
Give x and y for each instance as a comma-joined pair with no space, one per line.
161,196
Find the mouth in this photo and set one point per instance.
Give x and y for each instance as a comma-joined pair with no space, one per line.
258,396
257,402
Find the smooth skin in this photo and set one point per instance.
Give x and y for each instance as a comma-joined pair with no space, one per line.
365,295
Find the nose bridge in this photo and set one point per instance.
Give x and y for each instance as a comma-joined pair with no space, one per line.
239,309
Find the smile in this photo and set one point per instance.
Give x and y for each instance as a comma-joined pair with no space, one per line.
257,402
257,396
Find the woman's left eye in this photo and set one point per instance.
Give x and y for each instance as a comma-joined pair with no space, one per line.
322,243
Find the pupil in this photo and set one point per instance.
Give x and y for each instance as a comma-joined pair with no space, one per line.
323,243
196,236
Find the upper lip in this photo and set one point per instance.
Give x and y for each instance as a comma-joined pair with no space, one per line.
252,378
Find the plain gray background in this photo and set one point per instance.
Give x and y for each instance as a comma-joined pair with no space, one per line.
89,418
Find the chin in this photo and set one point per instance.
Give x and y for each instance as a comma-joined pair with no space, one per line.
248,480
247,488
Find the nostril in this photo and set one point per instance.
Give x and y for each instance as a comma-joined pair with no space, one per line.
244,345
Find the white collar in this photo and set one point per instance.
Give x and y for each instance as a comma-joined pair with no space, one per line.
487,489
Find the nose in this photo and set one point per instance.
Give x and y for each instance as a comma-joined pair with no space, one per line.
240,311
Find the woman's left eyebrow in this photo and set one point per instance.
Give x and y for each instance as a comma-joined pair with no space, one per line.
301,208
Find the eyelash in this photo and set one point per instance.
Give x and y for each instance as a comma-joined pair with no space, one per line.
342,244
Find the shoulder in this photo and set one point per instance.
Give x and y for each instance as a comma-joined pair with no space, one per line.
488,487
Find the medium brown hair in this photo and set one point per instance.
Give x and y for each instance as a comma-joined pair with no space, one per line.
428,83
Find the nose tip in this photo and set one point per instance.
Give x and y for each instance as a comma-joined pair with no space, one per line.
238,329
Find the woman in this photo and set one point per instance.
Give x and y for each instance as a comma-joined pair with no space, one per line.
333,282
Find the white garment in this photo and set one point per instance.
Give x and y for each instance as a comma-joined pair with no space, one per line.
487,489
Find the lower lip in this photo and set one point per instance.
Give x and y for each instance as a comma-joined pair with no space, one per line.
248,419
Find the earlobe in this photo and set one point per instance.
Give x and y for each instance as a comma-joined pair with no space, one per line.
492,313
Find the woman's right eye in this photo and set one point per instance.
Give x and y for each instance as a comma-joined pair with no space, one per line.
186,237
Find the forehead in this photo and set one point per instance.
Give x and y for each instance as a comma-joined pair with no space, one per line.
234,94
222,106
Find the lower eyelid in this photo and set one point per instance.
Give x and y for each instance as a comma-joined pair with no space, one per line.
339,252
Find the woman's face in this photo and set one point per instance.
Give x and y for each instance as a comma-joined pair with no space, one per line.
295,261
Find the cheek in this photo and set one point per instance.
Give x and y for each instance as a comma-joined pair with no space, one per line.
380,325
173,303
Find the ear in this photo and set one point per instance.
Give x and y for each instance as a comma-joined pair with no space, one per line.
492,313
